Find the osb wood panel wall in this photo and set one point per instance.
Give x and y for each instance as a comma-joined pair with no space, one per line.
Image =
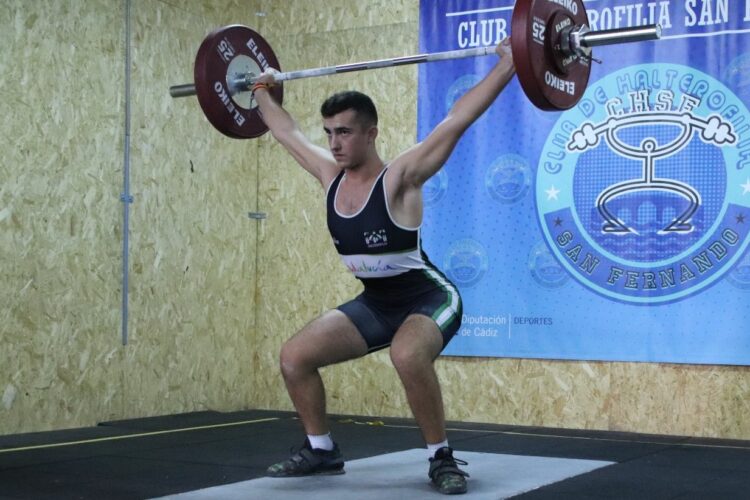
300,275
193,248
60,233
193,244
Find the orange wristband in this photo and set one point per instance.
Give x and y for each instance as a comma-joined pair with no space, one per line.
259,85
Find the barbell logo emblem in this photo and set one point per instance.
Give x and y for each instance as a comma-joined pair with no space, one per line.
649,206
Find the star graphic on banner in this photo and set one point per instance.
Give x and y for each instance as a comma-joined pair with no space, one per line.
745,187
740,218
552,192
558,222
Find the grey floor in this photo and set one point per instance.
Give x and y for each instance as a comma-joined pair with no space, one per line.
402,474
184,454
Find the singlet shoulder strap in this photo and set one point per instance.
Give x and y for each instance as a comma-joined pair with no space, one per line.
331,191
335,183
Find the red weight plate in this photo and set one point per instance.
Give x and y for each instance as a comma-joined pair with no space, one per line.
225,54
216,114
550,81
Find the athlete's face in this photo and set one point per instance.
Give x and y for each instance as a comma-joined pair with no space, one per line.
348,139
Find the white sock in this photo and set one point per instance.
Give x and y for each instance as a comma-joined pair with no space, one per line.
322,442
432,448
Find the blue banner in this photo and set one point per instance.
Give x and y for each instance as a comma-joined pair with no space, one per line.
618,229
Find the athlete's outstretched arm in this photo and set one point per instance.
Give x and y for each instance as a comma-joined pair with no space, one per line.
285,129
422,161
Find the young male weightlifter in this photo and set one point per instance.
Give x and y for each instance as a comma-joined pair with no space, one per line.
374,216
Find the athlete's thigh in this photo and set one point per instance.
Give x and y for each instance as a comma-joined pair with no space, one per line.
328,339
418,337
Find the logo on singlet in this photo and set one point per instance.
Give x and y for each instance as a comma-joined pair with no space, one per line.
375,239
642,189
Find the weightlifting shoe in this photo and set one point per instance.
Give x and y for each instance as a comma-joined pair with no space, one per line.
445,474
308,461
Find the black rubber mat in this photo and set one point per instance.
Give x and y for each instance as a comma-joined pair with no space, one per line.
151,457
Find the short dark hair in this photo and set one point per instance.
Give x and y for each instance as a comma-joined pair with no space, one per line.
351,99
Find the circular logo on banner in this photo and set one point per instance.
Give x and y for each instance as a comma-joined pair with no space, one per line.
466,262
544,267
435,188
740,275
458,88
737,76
643,188
508,178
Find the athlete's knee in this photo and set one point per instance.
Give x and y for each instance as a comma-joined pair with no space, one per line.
294,361
408,358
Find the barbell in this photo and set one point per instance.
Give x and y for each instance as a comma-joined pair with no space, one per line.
550,39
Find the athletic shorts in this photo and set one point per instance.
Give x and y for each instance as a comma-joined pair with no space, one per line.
377,318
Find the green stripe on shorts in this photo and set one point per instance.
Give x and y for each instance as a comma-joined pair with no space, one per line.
448,311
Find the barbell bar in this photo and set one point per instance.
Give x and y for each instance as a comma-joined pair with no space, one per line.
242,83
576,46
551,43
